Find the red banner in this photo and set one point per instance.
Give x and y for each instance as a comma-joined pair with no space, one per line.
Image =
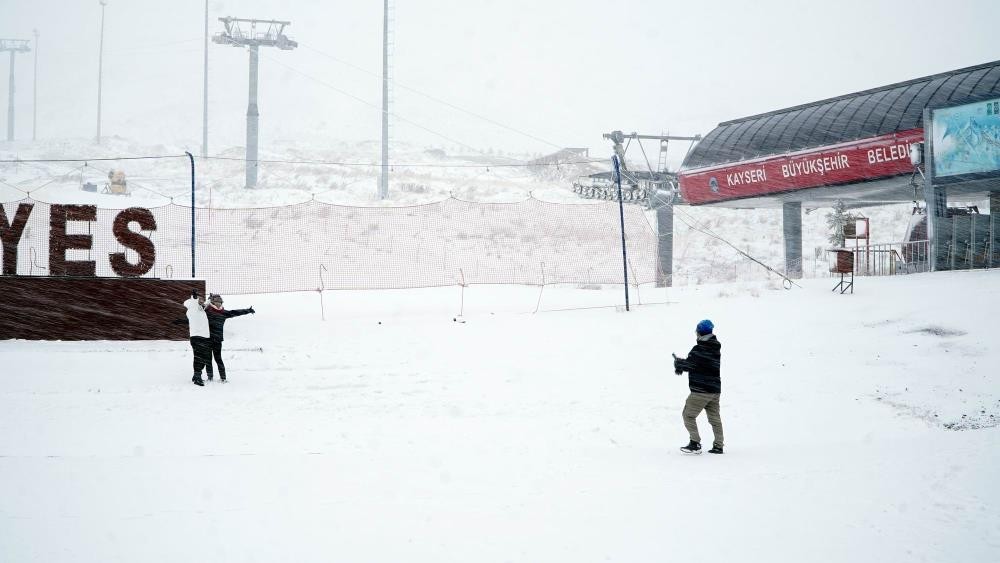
855,161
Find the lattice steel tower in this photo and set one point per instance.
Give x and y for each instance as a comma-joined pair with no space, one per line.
242,32
13,46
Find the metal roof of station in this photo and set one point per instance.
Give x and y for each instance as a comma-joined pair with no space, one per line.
870,113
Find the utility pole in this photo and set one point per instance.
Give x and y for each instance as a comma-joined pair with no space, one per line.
34,94
383,179
204,115
242,32
100,69
13,46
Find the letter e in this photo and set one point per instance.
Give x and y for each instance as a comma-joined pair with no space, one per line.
60,242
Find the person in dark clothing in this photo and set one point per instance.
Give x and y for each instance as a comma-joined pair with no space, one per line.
217,316
703,365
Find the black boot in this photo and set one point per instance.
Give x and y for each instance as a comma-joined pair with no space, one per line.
715,450
197,380
692,448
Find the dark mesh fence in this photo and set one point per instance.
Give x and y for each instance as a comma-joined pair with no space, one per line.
318,245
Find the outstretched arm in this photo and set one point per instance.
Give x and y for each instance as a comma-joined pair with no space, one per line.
684,364
681,365
193,302
238,312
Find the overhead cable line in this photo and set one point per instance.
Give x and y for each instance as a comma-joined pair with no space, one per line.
435,99
142,47
12,186
152,157
367,103
324,162
706,231
56,178
404,165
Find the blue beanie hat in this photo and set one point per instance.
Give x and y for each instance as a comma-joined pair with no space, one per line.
705,327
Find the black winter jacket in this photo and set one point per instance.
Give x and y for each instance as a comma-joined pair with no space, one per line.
217,320
702,365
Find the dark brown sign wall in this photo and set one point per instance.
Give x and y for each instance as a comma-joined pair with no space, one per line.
86,308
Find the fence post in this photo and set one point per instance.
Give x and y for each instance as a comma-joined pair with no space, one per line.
461,310
322,286
541,289
635,281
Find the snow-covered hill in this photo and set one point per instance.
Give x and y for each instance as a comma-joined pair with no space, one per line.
421,175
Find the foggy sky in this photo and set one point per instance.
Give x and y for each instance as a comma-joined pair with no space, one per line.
562,71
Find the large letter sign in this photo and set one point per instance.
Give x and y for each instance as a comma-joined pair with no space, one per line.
59,241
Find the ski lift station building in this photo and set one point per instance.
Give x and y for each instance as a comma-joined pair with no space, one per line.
935,139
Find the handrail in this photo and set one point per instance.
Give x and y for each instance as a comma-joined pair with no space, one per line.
893,258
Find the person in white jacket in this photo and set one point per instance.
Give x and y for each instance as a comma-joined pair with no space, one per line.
201,342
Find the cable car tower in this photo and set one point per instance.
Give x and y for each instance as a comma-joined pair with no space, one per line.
655,187
253,34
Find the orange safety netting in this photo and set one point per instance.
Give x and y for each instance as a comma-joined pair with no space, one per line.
318,245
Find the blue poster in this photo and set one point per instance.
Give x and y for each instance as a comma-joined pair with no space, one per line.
967,138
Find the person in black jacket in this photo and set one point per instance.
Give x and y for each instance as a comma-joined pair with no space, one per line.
217,316
702,365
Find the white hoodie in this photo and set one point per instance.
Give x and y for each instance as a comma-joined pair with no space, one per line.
197,319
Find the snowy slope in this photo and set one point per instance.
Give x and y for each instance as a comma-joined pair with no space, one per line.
291,172
699,258
391,432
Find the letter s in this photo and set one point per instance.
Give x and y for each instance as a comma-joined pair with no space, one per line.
134,241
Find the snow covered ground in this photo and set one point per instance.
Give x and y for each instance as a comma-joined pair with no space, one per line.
858,428
291,172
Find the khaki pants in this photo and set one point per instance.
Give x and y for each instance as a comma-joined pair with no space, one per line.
709,402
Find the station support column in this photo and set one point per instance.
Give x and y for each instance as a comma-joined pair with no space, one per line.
994,244
665,245
792,229
938,228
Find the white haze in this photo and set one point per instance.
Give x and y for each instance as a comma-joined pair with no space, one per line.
563,72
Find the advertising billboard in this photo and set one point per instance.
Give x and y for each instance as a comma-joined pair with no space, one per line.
966,139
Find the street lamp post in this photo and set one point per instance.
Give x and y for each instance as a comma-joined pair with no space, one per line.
100,68
204,115
34,94
383,178
10,99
